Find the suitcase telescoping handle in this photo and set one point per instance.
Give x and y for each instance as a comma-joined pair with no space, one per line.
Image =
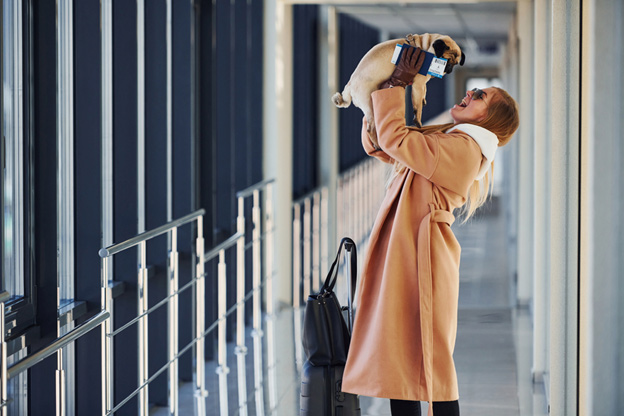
351,272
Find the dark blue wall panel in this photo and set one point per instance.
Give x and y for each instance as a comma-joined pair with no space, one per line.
356,39
207,141
45,209
88,202
125,190
230,122
305,99
255,30
436,99
183,165
156,186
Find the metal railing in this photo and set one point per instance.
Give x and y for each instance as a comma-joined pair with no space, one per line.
108,332
4,296
310,240
360,190
200,330
55,347
261,233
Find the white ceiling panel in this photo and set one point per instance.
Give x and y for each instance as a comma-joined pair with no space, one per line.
481,28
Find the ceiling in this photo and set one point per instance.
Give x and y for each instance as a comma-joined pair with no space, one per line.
480,28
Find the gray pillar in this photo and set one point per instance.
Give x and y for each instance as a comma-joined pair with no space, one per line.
564,197
601,328
277,131
509,154
541,156
525,153
329,149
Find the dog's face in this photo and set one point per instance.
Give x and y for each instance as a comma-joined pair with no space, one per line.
446,48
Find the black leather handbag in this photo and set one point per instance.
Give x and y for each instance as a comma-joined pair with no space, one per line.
326,336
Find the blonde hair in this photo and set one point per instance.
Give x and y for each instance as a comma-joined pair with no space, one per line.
502,120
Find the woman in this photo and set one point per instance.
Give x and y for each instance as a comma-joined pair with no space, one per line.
406,323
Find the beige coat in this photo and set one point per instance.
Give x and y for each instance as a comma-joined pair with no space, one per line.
406,319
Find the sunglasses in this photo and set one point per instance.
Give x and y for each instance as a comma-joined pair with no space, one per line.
477,94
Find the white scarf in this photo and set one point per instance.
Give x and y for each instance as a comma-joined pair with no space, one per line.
487,141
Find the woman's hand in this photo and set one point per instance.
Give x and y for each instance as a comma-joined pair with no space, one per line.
409,64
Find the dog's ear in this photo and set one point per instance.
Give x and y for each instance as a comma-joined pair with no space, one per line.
439,46
463,59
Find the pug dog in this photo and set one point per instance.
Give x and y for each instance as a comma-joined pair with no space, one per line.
376,67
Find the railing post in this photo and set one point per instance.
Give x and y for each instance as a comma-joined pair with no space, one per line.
340,189
200,318
107,341
269,224
172,327
307,227
324,224
241,349
256,259
296,256
257,333
3,364
297,282
60,384
240,275
269,297
223,369
316,241
360,204
352,210
143,333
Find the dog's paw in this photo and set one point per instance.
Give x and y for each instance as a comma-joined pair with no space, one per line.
416,120
339,101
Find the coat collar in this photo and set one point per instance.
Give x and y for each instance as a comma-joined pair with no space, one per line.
487,141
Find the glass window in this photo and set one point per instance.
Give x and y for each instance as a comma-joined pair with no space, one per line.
17,227
483,82
13,135
14,181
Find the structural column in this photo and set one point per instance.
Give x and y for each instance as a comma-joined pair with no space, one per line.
330,150
278,140
602,193
564,202
525,154
541,148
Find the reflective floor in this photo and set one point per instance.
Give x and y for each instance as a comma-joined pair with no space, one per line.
492,355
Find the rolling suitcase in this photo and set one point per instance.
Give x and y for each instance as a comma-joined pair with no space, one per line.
326,339
321,393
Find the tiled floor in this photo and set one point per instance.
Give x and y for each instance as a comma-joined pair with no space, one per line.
493,350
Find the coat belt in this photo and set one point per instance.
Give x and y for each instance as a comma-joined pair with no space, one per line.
425,288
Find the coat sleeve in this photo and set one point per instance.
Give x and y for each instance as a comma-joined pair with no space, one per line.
368,145
450,160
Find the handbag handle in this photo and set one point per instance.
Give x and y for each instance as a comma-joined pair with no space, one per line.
332,276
